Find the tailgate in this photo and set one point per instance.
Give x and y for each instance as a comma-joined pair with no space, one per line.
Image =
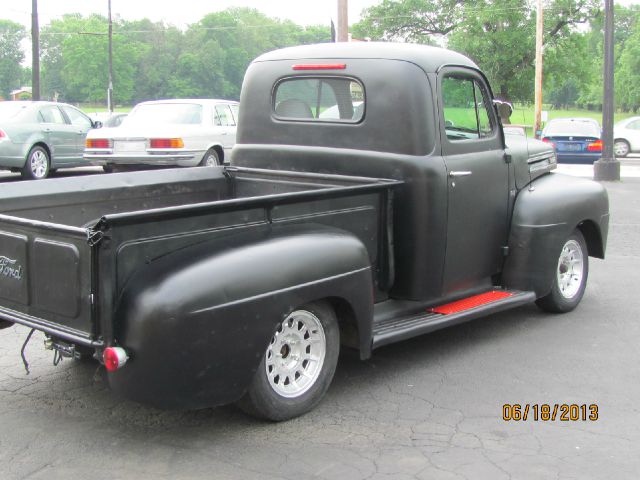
45,278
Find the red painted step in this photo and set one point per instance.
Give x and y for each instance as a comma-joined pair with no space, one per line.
471,302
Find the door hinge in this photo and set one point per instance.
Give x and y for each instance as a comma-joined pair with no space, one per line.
94,237
505,251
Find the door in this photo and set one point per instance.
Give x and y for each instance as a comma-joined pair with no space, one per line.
478,181
81,124
226,126
60,135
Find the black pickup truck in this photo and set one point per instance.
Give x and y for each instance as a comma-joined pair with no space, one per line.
372,196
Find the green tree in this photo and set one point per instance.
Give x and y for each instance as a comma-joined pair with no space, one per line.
159,47
219,48
75,60
627,79
498,36
11,56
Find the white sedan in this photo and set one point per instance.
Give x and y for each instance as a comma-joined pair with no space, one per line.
183,133
626,134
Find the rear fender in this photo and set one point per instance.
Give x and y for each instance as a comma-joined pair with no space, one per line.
197,322
544,216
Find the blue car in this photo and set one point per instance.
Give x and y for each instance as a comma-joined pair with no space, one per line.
576,140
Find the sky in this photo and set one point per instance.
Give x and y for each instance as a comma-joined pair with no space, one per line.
183,12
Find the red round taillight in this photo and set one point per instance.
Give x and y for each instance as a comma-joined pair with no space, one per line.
114,358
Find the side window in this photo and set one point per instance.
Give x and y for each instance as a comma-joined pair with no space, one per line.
327,99
466,113
77,118
235,109
223,117
52,114
634,125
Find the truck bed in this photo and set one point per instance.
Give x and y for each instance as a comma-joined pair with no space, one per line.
69,247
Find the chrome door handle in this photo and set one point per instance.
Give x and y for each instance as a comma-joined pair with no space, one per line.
461,173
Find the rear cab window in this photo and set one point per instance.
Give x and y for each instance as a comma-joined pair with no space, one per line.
319,99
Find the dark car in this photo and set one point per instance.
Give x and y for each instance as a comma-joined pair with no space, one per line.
576,140
38,137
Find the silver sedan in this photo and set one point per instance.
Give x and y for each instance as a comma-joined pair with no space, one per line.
182,133
39,137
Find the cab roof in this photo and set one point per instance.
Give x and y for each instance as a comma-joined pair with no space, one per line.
430,59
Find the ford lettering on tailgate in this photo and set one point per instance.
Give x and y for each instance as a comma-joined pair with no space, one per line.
13,268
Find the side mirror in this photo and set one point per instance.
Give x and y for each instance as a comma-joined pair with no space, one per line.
97,124
504,109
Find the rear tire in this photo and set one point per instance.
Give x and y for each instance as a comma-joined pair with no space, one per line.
297,366
37,164
210,159
621,148
570,279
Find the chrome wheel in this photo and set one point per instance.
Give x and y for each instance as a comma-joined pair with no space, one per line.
39,164
570,269
621,148
36,166
296,354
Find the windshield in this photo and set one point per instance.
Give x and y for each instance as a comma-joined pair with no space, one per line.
572,128
165,113
9,110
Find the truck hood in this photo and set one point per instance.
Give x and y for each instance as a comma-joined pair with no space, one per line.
531,158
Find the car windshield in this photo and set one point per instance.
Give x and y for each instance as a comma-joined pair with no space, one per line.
572,128
9,110
165,113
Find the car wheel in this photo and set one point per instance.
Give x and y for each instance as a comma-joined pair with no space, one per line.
37,165
210,159
621,148
297,366
571,275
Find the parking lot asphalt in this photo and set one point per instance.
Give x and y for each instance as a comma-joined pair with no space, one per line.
427,408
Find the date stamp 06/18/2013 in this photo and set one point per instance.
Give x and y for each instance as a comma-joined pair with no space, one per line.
550,412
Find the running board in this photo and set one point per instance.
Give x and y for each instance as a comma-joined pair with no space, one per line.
397,329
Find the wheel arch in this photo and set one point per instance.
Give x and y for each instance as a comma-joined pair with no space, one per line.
593,236
543,217
219,149
209,312
43,144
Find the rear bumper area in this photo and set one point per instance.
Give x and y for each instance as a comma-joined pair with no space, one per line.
578,158
55,330
181,159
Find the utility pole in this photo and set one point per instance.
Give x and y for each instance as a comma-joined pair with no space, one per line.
110,87
538,87
35,52
608,167
343,21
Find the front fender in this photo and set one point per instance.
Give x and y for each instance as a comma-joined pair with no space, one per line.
544,215
197,322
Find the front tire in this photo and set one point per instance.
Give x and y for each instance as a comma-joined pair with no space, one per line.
571,275
37,165
297,366
621,148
